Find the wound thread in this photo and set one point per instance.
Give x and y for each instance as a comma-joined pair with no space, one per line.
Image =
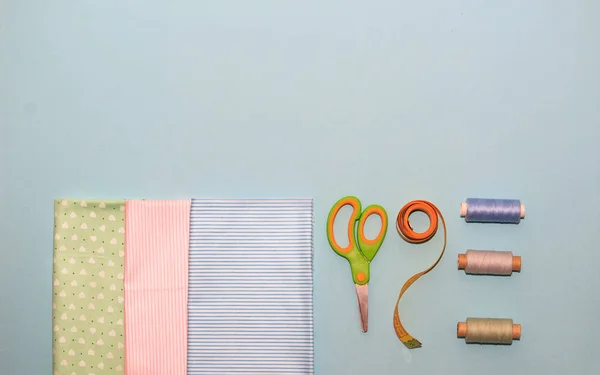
488,262
488,331
485,210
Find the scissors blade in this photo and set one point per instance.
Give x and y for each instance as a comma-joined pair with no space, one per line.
362,294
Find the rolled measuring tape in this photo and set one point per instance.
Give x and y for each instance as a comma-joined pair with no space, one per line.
409,235
488,331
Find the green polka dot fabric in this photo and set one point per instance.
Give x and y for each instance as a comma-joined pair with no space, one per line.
89,251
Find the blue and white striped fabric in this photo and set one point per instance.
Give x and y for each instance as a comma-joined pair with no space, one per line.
250,288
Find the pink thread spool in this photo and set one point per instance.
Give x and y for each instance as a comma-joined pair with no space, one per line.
487,262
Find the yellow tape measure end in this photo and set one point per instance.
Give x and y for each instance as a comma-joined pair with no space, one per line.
412,344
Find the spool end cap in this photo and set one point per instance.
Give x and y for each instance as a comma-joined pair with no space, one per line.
516,263
461,329
463,209
462,261
516,331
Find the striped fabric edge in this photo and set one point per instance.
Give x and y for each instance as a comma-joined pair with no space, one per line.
156,283
250,299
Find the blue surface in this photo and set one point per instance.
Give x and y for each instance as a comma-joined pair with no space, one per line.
390,101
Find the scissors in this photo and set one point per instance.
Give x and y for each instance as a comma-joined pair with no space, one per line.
360,250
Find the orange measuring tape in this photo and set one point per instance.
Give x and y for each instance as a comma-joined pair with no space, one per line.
408,234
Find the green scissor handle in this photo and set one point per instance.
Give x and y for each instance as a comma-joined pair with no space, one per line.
360,251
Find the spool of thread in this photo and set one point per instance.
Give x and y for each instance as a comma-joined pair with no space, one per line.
488,331
483,210
487,262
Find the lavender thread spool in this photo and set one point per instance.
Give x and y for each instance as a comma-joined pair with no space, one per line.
488,262
485,210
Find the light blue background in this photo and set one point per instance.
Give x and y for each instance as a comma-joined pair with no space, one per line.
387,100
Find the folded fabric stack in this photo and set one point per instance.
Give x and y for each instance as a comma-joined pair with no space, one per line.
183,287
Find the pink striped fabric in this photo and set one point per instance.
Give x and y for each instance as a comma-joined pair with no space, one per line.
156,286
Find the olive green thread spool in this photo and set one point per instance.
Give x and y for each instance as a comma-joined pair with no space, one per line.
488,331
